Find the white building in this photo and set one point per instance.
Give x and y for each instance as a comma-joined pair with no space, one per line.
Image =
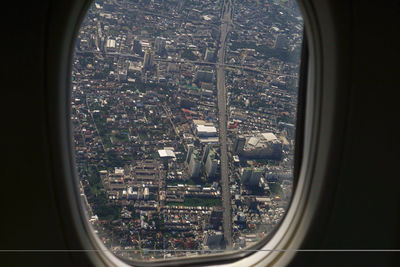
166,153
206,131
110,45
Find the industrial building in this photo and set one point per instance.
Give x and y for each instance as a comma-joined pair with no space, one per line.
204,129
262,146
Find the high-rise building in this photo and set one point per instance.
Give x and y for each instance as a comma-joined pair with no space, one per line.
148,60
238,145
255,177
211,164
251,176
194,165
205,154
281,42
159,45
189,153
246,174
209,55
137,47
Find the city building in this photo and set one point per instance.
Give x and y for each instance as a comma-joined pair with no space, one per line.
110,45
172,67
211,164
204,76
166,153
214,240
189,153
148,61
137,47
123,75
216,218
206,131
194,165
262,146
206,150
159,45
209,55
239,144
281,42
251,176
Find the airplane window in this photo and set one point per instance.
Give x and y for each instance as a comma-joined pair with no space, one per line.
184,121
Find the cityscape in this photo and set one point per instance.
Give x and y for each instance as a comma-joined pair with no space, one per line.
184,119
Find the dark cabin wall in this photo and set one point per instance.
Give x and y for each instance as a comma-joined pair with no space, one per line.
360,212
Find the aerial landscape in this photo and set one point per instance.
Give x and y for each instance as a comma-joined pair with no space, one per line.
184,120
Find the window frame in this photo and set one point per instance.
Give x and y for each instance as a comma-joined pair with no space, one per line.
63,26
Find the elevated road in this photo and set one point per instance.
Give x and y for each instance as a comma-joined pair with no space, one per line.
222,122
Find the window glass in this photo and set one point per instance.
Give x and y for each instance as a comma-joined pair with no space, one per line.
184,117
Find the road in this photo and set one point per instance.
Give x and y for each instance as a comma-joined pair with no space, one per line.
169,114
222,122
198,62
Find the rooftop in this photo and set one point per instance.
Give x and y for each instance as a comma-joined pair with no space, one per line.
163,153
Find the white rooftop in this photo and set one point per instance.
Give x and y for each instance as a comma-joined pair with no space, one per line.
119,171
253,141
269,136
211,140
166,153
110,43
207,129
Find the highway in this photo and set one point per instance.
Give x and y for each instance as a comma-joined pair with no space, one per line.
222,122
